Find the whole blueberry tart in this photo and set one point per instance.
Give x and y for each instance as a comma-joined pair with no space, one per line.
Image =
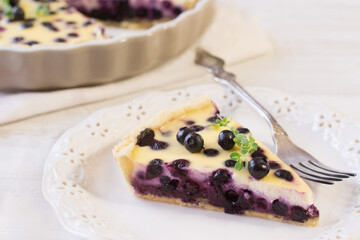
192,156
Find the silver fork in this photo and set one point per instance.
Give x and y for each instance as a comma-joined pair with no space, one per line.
306,165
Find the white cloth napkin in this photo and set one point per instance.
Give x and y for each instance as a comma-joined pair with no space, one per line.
231,35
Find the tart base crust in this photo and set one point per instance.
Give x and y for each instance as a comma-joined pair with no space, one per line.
202,203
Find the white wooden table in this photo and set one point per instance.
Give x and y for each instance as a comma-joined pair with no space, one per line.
317,56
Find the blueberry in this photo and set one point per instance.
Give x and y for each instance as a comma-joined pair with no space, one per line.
274,165
190,122
60,40
158,145
31,43
2,29
53,28
247,194
165,180
213,119
298,214
244,203
284,174
261,203
279,207
18,13
220,177
154,169
156,13
193,142
210,152
231,195
177,11
146,137
17,39
225,140
27,25
232,208
87,23
13,3
181,164
47,24
182,133
141,12
258,153
168,184
191,187
258,168
140,175
243,130
73,35
230,163
196,128
180,167
167,4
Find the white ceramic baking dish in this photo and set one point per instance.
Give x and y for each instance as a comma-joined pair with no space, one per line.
128,53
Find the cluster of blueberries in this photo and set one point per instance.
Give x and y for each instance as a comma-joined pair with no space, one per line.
217,194
193,142
123,10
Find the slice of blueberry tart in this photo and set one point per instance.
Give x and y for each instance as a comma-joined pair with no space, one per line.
191,156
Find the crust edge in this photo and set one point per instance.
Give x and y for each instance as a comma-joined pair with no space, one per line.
203,204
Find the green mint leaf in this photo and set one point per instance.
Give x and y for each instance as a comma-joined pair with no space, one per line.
235,156
237,142
244,151
239,165
244,141
251,138
9,13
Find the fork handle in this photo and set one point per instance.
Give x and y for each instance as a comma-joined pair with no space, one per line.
228,79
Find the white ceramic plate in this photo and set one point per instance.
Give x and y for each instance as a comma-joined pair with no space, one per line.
89,195
128,53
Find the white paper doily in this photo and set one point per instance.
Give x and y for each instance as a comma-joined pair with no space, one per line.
86,189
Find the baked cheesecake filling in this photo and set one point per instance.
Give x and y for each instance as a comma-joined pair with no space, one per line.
165,168
60,25
150,10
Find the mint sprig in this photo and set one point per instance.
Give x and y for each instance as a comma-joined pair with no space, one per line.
43,9
222,122
6,8
246,143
